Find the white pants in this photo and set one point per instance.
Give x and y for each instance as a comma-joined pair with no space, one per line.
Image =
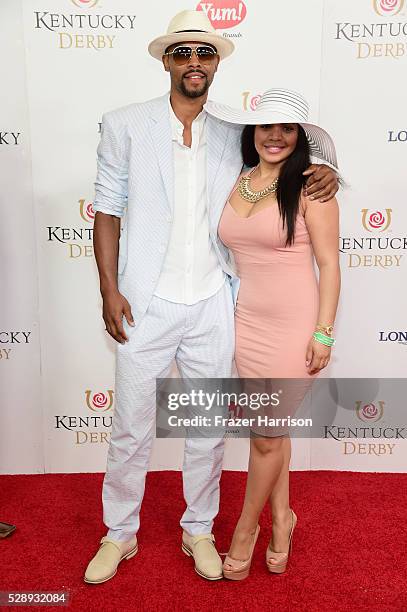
200,338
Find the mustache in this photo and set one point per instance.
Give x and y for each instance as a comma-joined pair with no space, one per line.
194,72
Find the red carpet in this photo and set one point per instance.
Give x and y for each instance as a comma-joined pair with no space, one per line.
349,550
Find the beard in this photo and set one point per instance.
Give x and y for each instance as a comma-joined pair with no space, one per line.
195,93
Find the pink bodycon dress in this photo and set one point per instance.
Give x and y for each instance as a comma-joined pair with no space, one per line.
277,304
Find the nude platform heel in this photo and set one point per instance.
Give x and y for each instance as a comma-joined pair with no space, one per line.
240,569
281,557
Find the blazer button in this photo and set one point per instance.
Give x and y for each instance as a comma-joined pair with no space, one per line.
168,218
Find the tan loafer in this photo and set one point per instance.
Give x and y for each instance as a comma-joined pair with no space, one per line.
104,564
208,564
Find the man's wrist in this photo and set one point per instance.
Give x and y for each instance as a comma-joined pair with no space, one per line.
108,287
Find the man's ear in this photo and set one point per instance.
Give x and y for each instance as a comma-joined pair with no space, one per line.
166,63
217,63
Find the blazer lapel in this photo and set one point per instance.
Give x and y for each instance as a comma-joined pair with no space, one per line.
217,134
162,139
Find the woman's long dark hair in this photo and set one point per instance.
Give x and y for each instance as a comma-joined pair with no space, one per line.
291,179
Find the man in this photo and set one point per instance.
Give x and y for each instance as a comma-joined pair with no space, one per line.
167,168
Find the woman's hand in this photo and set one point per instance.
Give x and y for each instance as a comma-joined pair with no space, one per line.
317,357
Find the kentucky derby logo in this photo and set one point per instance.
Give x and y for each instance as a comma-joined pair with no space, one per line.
223,14
85,3
99,402
370,413
388,8
250,101
375,221
86,211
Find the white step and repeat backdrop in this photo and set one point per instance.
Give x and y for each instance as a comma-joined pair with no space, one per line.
64,63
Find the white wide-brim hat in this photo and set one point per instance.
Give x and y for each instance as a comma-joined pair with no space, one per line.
190,26
281,106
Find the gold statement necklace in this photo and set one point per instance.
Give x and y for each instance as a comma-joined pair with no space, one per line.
254,196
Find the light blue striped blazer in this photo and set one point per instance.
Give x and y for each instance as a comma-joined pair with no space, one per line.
135,181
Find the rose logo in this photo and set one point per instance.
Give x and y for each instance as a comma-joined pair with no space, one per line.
254,102
89,211
388,7
376,221
250,101
223,14
86,211
100,402
369,412
85,3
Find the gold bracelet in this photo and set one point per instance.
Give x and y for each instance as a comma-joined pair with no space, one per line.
327,329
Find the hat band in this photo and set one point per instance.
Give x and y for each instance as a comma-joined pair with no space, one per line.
182,31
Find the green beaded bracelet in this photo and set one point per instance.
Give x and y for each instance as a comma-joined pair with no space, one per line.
323,339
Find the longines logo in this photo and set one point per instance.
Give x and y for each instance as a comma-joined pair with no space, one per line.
224,14
10,138
387,39
393,336
90,429
87,30
395,136
371,415
9,340
75,238
360,252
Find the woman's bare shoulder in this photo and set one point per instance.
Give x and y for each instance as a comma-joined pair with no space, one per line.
307,204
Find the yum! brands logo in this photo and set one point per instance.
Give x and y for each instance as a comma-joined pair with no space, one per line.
376,221
224,14
388,8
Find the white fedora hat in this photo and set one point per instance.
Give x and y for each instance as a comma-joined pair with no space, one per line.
190,26
281,106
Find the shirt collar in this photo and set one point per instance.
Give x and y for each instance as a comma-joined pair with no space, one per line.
177,128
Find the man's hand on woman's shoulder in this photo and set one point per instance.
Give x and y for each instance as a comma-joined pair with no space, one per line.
322,183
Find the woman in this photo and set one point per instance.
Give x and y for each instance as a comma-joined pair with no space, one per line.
284,317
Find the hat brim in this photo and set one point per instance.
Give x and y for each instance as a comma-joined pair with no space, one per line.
321,144
224,46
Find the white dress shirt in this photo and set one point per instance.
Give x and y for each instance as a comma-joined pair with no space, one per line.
191,271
